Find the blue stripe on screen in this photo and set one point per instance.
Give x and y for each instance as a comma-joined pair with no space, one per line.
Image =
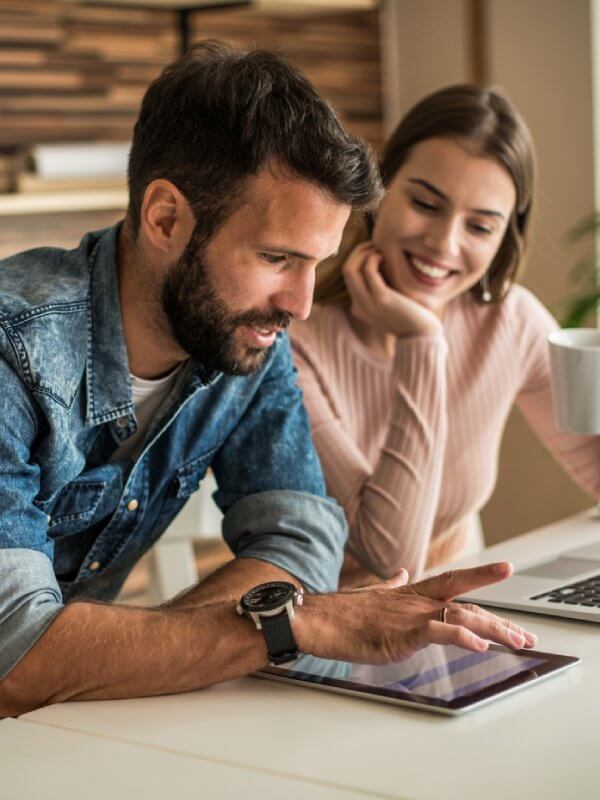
447,668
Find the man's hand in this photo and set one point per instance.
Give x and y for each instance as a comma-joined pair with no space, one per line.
377,304
391,621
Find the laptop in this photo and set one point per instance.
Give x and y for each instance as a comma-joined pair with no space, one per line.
562,581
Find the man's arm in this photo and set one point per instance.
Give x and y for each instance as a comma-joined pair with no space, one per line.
93,651
230,582
271,487
96,652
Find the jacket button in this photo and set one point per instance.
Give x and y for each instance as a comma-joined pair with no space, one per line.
95,565
122,422
132,504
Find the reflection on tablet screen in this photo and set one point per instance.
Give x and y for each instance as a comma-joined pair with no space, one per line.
440,672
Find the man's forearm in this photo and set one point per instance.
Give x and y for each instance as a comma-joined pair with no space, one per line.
103,652
93,651
230,582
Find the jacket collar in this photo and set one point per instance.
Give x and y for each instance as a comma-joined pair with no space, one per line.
107,366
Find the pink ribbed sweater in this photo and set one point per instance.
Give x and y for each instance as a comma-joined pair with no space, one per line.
409,445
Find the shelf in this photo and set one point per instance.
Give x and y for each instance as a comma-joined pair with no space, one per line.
12,205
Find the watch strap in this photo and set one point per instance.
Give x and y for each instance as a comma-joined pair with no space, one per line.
279,636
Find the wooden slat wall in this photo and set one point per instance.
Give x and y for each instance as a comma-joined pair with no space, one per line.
50,230
339,51
78,72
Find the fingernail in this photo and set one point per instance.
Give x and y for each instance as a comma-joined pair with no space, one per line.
517,638
531,639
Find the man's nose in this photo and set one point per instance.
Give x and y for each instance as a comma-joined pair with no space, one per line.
296,296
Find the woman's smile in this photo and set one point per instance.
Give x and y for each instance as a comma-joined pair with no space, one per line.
426,271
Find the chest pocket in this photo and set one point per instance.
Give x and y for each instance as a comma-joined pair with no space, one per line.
74,509
188,477
85,500
185,482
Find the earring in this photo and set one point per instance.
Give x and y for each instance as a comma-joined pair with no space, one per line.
486,295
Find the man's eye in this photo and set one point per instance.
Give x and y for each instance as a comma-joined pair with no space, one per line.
423,205
270,258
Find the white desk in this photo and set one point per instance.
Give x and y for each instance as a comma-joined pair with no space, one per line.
45,763
540,743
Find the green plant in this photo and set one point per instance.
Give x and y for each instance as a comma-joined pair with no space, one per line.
584,278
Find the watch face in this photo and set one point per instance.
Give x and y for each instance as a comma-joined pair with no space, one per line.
268,596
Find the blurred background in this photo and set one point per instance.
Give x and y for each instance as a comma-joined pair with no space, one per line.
72,74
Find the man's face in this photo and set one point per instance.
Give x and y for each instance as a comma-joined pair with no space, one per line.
227,299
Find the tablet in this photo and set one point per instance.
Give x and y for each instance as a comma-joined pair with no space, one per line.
445,679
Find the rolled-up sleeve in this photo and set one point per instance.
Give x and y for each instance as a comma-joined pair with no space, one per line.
271,486
30,597
301,533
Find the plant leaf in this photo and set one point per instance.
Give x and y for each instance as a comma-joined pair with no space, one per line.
588,226
579,310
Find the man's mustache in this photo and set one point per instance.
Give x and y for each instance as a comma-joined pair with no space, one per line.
264,319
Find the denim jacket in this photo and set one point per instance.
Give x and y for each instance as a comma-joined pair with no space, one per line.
68,528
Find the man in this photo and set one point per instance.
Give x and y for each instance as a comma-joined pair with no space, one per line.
156,348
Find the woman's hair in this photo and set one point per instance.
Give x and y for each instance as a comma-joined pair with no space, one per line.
486,119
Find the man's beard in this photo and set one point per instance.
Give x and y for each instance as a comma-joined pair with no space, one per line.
201,322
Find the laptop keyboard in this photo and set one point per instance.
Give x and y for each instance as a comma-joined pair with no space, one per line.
582,593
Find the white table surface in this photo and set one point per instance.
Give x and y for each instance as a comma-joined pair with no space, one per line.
539,743
41,762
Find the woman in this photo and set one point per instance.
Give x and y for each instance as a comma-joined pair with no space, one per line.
420,342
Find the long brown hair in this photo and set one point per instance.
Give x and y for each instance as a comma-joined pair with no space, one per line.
484,117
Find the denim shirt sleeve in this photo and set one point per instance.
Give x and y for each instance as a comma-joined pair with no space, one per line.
271,485
30,597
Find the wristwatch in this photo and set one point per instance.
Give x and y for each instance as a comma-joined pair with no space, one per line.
271,607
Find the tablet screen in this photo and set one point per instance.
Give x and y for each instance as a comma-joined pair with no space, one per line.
445,676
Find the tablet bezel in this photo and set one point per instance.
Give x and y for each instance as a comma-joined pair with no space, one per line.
553,664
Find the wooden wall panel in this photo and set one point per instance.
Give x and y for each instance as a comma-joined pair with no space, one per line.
78,72
339,51
50,230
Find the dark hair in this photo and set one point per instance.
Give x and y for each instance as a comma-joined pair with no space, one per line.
488,120
217,115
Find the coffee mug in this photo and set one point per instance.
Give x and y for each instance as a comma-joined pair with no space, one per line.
575,360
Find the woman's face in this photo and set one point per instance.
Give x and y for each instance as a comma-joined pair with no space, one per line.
442,220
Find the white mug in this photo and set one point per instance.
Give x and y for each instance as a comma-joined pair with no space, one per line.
575,360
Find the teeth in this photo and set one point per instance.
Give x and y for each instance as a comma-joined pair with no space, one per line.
262,331
427,269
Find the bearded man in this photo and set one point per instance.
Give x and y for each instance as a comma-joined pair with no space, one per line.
157,348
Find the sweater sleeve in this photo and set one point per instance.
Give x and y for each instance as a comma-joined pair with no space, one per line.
390,507
578,454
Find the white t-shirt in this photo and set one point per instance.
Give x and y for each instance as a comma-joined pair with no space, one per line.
147,396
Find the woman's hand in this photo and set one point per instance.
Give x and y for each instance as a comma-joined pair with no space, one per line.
377,304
